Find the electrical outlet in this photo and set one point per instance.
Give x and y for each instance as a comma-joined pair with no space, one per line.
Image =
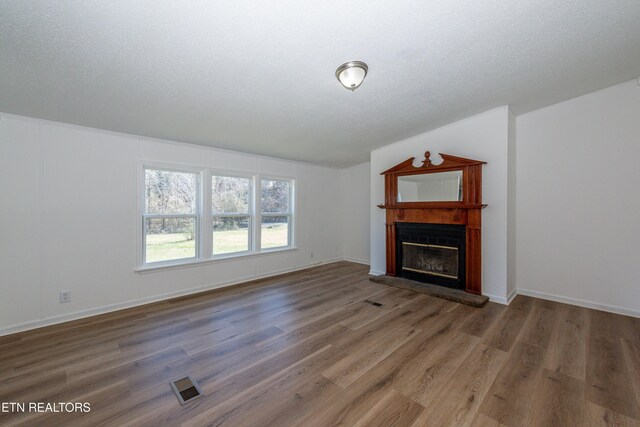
311,255
65,296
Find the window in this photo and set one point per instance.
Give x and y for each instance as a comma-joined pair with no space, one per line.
197,214
170,217
231,213
275,208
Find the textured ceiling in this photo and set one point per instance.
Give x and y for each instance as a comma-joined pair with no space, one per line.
258,76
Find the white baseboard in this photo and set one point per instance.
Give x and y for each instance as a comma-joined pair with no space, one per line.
376,273
580,302
357,261
39,323
497,299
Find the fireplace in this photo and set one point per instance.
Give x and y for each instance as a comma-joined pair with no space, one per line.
431,253
433,221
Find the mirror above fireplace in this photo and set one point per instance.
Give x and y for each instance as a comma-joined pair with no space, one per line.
430,187
455,183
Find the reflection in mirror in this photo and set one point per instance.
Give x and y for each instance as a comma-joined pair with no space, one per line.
431,187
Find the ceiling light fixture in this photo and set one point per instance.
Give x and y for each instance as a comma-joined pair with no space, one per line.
351,74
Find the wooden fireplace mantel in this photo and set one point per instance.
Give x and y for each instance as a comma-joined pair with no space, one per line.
466,212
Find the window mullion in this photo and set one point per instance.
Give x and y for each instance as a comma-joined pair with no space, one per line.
257,214
205,213
290,218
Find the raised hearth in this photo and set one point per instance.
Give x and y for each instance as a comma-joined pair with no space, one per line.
455,295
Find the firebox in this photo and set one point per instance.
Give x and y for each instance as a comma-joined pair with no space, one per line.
431,253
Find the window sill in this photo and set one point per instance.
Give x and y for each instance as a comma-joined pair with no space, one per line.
221,258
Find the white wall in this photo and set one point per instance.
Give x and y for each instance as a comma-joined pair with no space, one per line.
512,230
481,137
356,204
68,216
578,202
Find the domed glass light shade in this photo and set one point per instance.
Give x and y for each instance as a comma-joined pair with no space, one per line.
351,74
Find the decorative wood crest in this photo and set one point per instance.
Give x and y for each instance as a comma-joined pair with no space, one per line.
449,162
427,159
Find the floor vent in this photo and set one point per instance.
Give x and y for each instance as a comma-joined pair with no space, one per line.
186,390
377,304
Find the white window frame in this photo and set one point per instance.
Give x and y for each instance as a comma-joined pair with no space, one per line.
290,213
204,216
251,214
197,216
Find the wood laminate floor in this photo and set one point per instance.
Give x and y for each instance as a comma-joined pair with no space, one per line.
305,349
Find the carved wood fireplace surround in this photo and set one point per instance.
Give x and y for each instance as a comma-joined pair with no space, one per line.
465,211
